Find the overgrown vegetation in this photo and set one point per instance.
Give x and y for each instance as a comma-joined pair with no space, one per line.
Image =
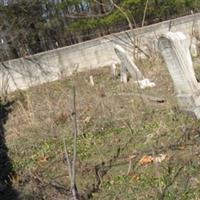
118,126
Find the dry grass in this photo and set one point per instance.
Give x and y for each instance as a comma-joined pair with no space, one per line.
115,122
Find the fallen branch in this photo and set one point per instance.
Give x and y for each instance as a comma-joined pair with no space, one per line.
150,97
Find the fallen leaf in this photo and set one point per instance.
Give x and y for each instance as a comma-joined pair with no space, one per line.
145,160
149,159
135,178
160,158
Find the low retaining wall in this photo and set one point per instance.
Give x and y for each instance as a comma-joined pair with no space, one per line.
51,65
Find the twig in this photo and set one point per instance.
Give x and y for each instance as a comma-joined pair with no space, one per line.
170,183
72,165
145,10
74,187
149,97
125,15
68,160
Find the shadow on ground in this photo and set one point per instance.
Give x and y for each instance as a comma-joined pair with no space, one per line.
6,169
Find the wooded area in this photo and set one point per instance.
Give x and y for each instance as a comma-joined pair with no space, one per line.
29,27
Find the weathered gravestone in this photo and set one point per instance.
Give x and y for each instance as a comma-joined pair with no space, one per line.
127,65
174,48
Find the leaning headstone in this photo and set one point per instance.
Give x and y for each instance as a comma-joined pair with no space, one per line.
174,48
127,65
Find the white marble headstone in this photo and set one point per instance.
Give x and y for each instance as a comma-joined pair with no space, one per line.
127,65
174,47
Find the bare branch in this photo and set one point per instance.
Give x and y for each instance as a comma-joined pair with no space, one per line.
72,165
145,10
74,114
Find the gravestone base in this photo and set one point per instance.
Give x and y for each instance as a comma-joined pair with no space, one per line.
190,103
196,111
128,66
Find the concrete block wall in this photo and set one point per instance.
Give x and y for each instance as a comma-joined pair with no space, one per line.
51,65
